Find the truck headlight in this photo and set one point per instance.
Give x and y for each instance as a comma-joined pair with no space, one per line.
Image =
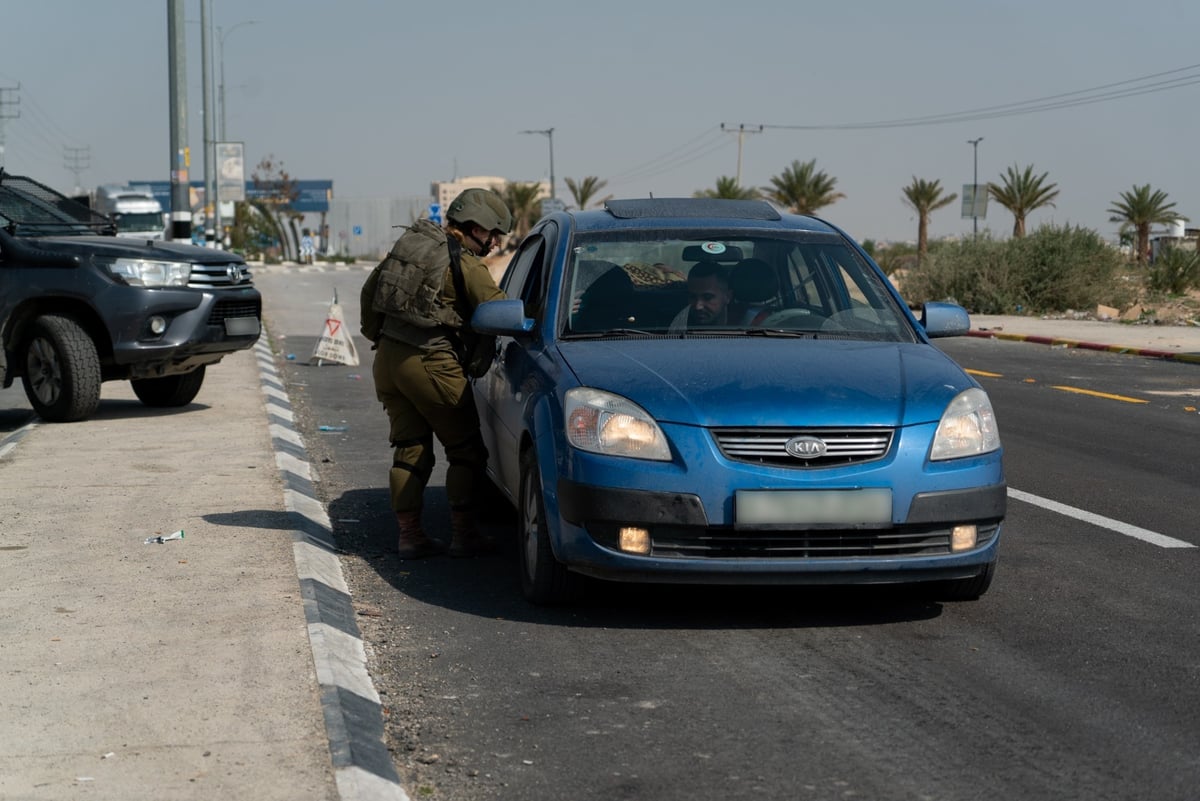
602,422
968,427
140,272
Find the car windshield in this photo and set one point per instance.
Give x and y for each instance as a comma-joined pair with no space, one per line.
618,284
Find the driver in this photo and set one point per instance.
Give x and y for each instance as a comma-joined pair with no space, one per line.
709,296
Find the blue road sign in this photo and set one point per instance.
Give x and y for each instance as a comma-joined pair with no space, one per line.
435,213
358,230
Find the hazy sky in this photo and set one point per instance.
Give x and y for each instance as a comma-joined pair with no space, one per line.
384,97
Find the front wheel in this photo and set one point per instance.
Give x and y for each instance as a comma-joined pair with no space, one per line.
171,390
968,589
62,370
544,579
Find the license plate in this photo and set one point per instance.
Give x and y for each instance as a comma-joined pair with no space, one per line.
241,326
868,506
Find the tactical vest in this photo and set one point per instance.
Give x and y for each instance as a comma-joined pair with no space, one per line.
405,289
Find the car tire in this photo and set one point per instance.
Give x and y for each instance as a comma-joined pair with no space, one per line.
62,370
968,589
171,390
544,579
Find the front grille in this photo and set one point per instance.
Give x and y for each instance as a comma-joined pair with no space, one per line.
767,446
225,309
717,543
233,273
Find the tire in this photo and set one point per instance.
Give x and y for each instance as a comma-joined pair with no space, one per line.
171,390
62,370
968,589
544,580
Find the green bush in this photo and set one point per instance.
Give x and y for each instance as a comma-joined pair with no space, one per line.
1053,269
1175,271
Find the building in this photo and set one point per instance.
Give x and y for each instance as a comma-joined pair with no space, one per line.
445,191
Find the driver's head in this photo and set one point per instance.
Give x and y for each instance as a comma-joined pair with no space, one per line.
708,294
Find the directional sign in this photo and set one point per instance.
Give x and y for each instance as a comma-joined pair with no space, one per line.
435,213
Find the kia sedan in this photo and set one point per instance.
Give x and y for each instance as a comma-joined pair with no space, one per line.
712,391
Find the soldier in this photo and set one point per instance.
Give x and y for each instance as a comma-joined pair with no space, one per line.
416,307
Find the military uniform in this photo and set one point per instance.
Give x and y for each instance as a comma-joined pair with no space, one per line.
421,378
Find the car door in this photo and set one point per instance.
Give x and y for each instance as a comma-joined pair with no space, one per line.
499,392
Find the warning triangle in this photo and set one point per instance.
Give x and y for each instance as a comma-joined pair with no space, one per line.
335,344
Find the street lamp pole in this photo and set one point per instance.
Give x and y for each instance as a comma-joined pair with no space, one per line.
975,184
549,134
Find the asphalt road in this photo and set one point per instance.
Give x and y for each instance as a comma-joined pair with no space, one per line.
1075,677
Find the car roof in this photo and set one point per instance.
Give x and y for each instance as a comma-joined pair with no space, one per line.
689,212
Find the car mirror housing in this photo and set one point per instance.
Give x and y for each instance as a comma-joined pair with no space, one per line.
945,320
502,318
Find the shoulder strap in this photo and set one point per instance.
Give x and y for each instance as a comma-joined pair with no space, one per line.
455,248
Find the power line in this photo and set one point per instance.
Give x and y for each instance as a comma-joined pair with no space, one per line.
1079,97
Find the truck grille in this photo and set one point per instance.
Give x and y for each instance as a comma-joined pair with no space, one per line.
767,446
233,273
225,309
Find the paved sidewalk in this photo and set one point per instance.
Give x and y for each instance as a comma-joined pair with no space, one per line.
1173,342
221,665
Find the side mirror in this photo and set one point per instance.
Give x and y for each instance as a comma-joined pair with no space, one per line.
945,320
504,318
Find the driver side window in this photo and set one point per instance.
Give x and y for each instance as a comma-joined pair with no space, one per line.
524,277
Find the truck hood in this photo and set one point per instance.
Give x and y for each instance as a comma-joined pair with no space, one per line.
772,382
130,247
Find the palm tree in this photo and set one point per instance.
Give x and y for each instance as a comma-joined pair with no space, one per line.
585,190
1022,193
925,197
1140,209
728,189
522,201
802,189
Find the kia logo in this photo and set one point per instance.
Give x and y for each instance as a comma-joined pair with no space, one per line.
805,447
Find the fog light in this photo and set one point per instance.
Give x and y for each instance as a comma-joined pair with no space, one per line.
158,325
962,538
634,540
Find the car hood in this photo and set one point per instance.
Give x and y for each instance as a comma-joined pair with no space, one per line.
131,247
772,382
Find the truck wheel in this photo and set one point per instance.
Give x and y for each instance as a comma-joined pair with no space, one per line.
62,370
171,390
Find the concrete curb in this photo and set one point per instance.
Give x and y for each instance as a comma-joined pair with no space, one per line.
363,768
1192,358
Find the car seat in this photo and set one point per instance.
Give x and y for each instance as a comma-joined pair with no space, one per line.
605,303
755,291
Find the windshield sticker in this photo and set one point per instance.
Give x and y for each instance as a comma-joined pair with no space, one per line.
714,248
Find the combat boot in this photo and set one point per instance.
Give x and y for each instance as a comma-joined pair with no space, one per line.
467,539
413,544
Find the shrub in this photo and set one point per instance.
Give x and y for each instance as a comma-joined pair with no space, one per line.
1053,269
1175,271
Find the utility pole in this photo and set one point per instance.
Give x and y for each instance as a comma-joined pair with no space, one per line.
975,185
77,160
741,132
6,116
549,134
181,159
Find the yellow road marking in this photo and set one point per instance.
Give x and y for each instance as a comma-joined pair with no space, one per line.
1094,394
985,373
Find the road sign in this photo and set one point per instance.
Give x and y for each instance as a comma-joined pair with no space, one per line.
358,230
435,213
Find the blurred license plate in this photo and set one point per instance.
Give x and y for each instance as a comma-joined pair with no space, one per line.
241,326
822,507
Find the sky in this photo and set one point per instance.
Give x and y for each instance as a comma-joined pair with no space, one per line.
383,97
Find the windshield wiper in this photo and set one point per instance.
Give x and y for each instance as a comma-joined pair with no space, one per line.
612,332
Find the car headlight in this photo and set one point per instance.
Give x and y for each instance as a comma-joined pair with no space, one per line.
602,422
968,427
140,272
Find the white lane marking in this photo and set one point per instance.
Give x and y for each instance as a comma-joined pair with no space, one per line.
1152,537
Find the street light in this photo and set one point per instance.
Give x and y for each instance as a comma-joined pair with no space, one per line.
549,134
221,57
975,184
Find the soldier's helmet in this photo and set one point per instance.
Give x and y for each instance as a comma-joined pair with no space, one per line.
482,207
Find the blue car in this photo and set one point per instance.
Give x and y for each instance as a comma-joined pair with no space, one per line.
710,391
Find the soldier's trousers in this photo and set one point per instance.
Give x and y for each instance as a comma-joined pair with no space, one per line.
427,395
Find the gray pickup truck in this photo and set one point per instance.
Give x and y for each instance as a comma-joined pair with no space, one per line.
80,306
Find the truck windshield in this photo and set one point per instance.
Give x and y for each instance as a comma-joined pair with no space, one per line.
144,222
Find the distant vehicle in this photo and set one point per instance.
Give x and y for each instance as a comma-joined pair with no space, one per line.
80,306
134,208
807,433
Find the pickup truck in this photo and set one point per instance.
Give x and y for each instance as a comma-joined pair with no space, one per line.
80,306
